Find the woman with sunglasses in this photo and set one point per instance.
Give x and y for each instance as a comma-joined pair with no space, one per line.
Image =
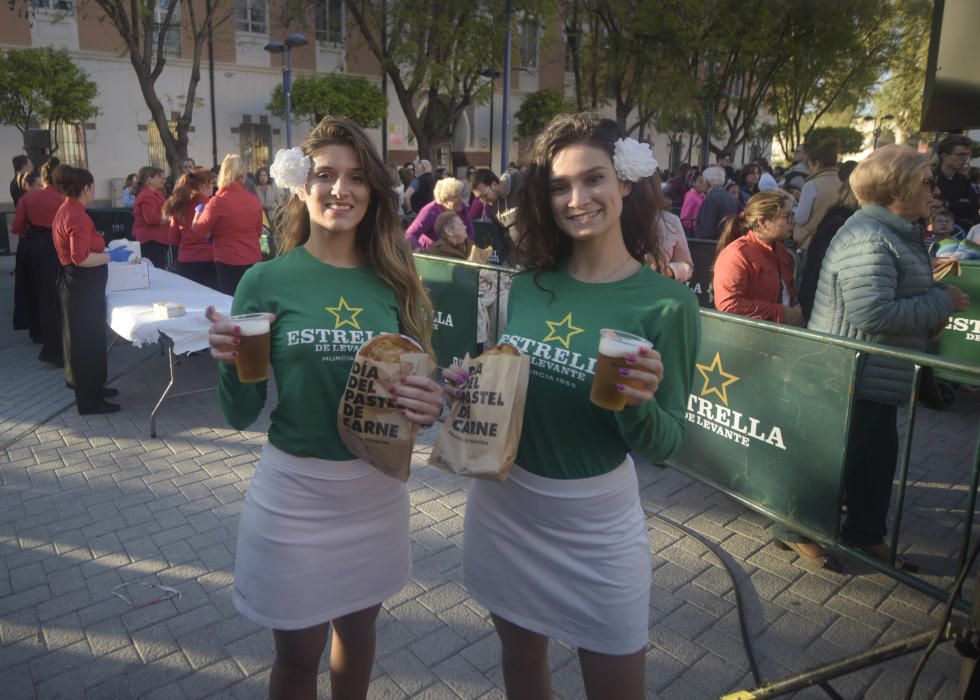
876,285
753,274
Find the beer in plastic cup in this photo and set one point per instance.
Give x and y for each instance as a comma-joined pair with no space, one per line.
613,347
253,351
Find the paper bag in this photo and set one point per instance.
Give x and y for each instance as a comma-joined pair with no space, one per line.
370,424
479,437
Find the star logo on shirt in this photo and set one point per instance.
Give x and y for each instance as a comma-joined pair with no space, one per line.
345,314
562,331
716,379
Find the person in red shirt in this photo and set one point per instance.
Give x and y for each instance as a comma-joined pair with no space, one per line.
753,274
32,222
233,220
195,255
25,313
150,227
81,292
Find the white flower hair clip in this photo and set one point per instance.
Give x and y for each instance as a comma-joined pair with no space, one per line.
634,160
290,169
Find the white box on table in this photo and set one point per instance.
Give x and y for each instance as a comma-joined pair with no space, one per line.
123,276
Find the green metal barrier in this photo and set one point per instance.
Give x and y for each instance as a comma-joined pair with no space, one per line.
961,338
453,287
754,384
112,222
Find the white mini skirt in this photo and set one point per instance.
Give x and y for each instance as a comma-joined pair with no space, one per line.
569,559
319,539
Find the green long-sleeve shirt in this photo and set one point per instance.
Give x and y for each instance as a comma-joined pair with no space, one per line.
323,315
564,435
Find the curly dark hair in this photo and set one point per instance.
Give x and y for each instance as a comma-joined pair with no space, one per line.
542,244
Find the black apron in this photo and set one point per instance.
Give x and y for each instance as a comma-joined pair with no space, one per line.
81,291
26,317
201,272
43,290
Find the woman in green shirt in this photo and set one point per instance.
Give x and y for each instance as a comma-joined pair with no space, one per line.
560,548
323,536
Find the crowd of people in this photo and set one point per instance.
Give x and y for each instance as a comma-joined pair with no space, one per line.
559,549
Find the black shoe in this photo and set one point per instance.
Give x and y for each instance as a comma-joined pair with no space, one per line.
108,392
99,409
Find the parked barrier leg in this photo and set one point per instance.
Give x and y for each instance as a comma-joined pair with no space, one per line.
903,468
971,503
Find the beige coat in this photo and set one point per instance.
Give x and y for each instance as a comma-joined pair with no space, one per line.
827,186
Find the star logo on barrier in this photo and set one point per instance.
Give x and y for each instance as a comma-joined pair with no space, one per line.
716,379
345,314
566,334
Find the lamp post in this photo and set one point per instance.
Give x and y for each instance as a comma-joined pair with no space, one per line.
876,123
493,74
292,41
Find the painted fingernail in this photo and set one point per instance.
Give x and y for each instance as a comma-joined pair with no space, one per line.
459,393
238,329
234,353
404,413
621,387
644,351
402,380
623,372
236,341
630,358
393,389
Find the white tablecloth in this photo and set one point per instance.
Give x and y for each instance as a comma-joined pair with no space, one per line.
130,313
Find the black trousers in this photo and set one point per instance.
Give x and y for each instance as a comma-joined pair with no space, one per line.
229,276
869,472
200,272
44,270
26,317
156,253
81,291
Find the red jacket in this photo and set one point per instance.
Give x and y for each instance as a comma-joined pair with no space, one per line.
233,217
147,213
74,234
36,208
191,248
747,275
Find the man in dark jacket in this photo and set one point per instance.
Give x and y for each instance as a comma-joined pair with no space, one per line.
957,192
22,164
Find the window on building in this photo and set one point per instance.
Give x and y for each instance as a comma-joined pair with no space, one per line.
157,153
330,21
70,139
255,145
252,16
171,41
528,38
58,5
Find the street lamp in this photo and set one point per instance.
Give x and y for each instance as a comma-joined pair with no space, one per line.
876,123
292,41
493,74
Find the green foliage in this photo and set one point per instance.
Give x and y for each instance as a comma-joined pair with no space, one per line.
337,94
538,109
901,91
851,140
44,87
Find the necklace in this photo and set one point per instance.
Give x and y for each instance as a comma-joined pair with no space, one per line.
613,273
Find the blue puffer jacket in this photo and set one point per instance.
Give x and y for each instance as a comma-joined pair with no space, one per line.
876,285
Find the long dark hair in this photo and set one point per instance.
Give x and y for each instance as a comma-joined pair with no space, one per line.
379,238
542,244
189,184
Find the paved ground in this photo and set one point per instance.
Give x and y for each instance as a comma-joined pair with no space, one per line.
87,503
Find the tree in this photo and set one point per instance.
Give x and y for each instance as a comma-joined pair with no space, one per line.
143,26
903,81
43,88
852,42
434,53
851,140
315,96
538,109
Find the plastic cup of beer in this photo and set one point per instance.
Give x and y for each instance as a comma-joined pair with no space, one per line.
614,346
253,350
